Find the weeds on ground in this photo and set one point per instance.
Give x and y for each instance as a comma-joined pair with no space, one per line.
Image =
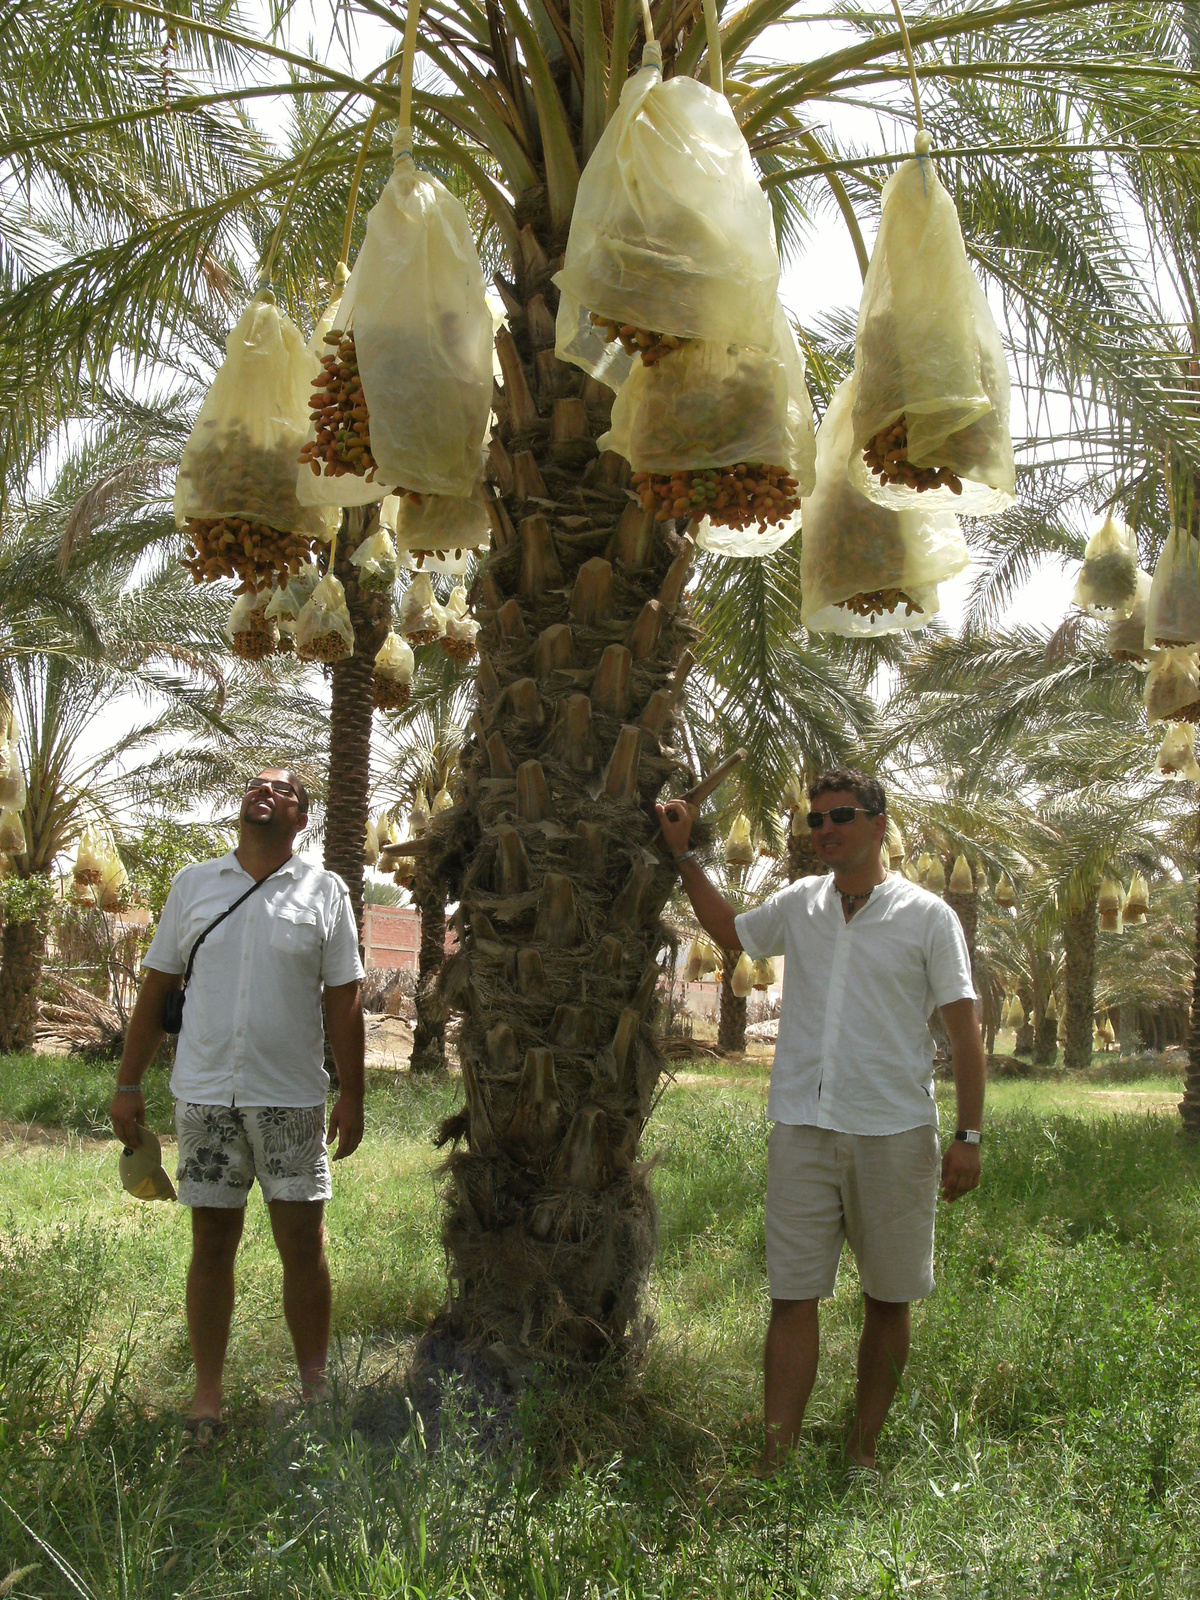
1046,1442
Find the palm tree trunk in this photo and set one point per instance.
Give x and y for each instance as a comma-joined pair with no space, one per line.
1079,949
22,954
429,1035
1023,1043
550,1225
966,908
352,705
1189,1106
802,859
731,1017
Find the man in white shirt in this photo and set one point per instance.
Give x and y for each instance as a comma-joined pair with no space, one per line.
854,1152
249,1079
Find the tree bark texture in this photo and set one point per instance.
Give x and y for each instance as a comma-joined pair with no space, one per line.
1079,950
966,908
802,859
1023,1043
22,954
731,1016
429,1035
1045,1042
350,713
552,855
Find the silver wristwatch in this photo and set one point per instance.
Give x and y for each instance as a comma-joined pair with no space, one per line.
969,1136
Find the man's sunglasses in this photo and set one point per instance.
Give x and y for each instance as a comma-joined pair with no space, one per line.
274,786
839,814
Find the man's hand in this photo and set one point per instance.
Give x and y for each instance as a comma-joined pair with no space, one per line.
346,1123
960,1170
128,1112
675,818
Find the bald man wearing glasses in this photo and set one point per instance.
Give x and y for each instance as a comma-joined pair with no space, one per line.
853,1152
253,940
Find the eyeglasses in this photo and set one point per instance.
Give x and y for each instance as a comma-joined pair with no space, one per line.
273,784
838,814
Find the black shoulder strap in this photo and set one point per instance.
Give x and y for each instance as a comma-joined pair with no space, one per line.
216,923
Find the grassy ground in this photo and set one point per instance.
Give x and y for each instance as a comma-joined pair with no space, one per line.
1046,1443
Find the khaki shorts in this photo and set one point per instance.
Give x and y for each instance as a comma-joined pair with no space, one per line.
222,1149
880,1193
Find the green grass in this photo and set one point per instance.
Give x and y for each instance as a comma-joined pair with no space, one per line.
1046,1443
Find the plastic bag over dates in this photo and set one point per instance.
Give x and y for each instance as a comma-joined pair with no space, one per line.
1172,692
866,568
671,232
931,413
422,619
324,631
413,351
1177,755
239,464
1173,609
438,527
375,559
1107,585
250,631
1126,639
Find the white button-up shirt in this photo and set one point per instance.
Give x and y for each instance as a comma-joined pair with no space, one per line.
854,1052
252,1031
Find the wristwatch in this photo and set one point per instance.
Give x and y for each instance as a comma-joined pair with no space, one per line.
969,1136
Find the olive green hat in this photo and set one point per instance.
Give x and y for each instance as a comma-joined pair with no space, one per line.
142,1170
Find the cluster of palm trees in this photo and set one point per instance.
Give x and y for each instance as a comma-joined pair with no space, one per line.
139,189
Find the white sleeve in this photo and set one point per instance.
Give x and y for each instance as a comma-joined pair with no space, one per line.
164,954
947,959
761,930
340,961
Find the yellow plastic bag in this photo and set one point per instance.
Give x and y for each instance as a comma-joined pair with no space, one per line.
741,980
250,631
235,492
375,559
414,340
438,528
928,360
371,844
12,777
422,619
1005,895
89,856
1016,1012
286,603
324,631
764,974
866,569
1107,585
1172,691
1173,609
1177,755
1109,903
962,879
458,641
671,232
113,891
708,410
1126,640
394,664
893,843
12,833
935,876
739,846
1137,901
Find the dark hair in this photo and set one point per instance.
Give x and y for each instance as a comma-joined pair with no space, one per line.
866,790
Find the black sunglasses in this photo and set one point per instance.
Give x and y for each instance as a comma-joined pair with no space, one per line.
838,814
270,783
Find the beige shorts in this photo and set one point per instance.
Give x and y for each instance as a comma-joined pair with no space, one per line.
880,1193
222,1149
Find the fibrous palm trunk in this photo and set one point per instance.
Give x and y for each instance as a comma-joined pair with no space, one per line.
1079,951
350,712
966,908
802,859
429,1035
1023,1043
1045,1042
22,953
551,854
731,1016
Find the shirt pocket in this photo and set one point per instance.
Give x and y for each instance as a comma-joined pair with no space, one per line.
295,930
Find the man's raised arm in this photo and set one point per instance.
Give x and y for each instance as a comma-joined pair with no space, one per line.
713,912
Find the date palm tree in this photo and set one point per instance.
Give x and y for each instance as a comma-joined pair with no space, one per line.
551,850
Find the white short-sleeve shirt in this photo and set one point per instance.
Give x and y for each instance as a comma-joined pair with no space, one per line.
252,1030
854,1052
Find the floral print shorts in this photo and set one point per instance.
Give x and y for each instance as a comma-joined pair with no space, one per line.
222,1149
